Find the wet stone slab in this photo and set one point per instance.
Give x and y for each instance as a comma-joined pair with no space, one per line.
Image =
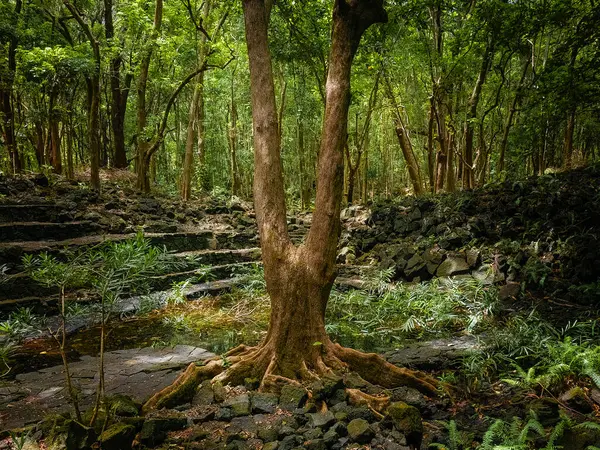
138,373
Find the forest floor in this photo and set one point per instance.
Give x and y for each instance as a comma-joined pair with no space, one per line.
494,291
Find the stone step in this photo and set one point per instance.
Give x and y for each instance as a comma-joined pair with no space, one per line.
223,256
35,213
32,231
12,252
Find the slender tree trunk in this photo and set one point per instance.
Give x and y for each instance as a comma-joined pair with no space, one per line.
119,93
232,136
510,117
6,100
196,118
430,146
143,144
93,97
468,166
568,142
404,140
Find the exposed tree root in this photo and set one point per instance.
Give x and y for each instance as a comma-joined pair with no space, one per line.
263,363
374,403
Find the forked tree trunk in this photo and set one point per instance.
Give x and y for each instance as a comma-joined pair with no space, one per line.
299,279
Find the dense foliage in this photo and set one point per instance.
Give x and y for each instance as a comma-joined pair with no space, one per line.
448,94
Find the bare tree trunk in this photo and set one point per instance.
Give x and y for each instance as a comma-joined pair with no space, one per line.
468,166
93,97
404,140
6,100
430,146
568,142
510,117
119,93
232,139
143,143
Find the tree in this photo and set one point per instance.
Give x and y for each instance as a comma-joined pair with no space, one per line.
299,278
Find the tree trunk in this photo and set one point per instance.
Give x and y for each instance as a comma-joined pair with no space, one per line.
143,143
468,165
404,140
232,139
510,117
299,279
119,94
196,117
6,100
568,142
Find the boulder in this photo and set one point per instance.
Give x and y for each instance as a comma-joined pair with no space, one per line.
576,399
292,397
452,265
117,437
155,429
239,405
321,420
407,420
360,431
263,403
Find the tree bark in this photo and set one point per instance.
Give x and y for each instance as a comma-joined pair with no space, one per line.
119,93
232,139
143,143
195,128
6,101
93,98
299,279
404,140
510,117
469,165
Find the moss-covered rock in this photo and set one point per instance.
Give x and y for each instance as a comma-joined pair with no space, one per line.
124,406
155,429
360,431
117,437
407,420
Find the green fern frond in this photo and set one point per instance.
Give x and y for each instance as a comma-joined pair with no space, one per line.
495,430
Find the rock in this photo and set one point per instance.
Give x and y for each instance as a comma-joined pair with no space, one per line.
290,442
326,387
362,412
414,265
292,397
204,395
546,410
484,274
124,406
219,392
263,403
313,433
155,429
407,420
321,420
360,431
576,399
117,437
315,444
473,256
268,433
273,445
239,405
224,414
452,265
409,396
41,180
510,290
595,396
579,438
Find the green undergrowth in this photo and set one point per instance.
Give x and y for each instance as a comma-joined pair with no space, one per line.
517,434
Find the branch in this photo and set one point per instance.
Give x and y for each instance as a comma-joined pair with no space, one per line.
186,80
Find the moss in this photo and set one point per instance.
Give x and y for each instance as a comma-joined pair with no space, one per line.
406,418
118,436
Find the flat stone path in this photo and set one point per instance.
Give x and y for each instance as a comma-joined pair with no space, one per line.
138,373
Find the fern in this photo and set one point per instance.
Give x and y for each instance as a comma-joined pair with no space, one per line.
494,431
532,425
